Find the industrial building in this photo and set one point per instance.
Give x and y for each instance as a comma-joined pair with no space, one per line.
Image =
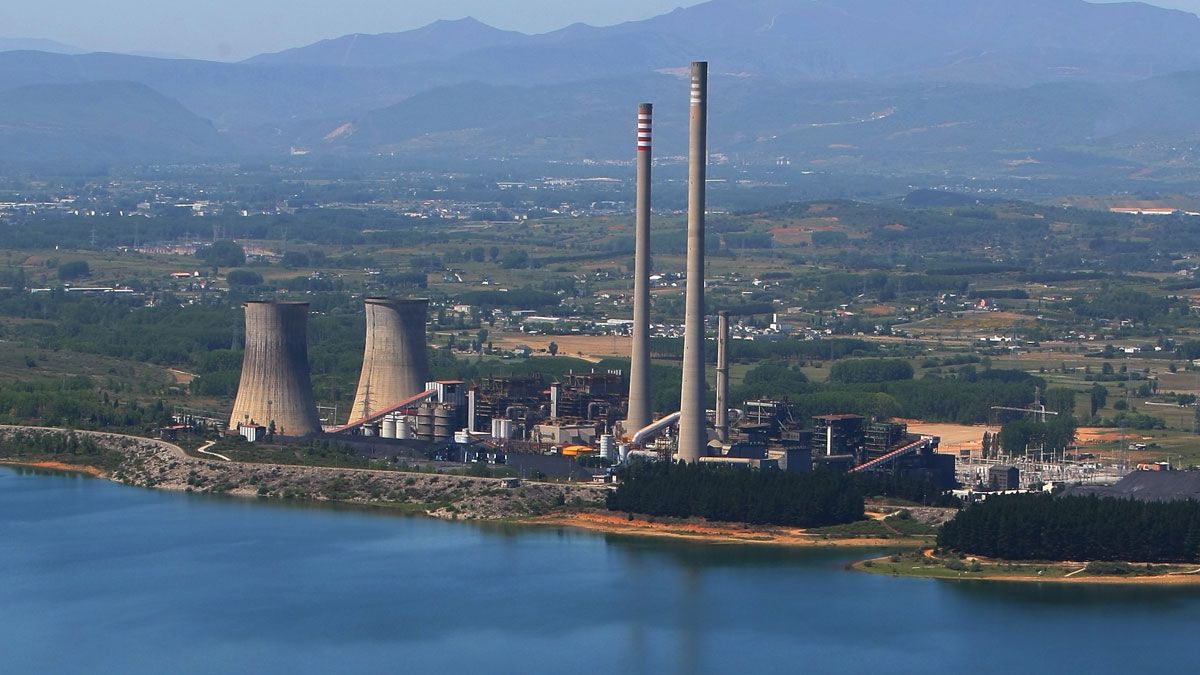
594,414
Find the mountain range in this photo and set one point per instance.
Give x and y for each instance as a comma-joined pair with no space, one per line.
979,85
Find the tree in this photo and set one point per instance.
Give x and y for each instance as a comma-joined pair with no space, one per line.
870,370
223,253
243,278
1061,400
553,349
75,269
293,259
1099,396
515,258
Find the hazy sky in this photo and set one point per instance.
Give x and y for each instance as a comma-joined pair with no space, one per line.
234,29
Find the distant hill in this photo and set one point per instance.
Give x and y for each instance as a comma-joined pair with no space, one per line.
1009,41
969,87
100,123
1048,129
437,41
37,44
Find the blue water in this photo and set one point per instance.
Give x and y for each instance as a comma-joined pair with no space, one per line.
98,577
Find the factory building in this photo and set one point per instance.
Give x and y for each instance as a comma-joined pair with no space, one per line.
596,414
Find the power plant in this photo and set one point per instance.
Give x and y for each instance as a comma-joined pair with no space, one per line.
275,390
397,412
639,407
395,366
693,428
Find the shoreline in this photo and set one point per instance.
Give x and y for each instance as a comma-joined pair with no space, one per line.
156,464
60,467
160,465
1064,573
615,522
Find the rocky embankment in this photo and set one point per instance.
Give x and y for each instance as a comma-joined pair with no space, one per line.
161,465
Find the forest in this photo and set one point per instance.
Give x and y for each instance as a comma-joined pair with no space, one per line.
51,446
1046,527
738,495
762,497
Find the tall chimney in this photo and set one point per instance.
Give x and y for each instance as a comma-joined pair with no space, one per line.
639,409
276,385
693,434
395,364
723,376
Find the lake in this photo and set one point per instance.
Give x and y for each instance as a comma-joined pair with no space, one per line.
99,577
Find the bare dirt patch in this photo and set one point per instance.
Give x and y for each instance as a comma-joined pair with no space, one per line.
588,347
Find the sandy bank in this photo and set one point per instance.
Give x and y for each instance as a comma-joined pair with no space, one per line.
1056,573
717,533
58,466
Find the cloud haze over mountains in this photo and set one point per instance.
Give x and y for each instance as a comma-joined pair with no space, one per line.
977,86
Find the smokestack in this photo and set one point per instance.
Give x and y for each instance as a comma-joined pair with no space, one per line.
275,385
693,434
472,395
723,376
394,361
639,409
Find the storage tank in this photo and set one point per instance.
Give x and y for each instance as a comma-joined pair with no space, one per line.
425,422
404,429
443,423
389,427
606,446
501,429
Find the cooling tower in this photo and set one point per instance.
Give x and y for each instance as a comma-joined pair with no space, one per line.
275,385
693,433
395,365
639,409
722,421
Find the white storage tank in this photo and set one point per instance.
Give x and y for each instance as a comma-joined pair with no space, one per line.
501,429
388,430
404,429
606,446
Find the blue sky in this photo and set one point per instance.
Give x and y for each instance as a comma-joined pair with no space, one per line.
235,29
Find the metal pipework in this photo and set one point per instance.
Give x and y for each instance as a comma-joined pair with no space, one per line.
639,408
693,436
276,386
722,421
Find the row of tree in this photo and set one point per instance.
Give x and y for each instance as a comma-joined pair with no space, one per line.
1044,527
738,495
57,446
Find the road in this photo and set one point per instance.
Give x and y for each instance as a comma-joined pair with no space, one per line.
204,451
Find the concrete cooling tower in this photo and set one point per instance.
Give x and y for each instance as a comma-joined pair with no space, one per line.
275,385
395,365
